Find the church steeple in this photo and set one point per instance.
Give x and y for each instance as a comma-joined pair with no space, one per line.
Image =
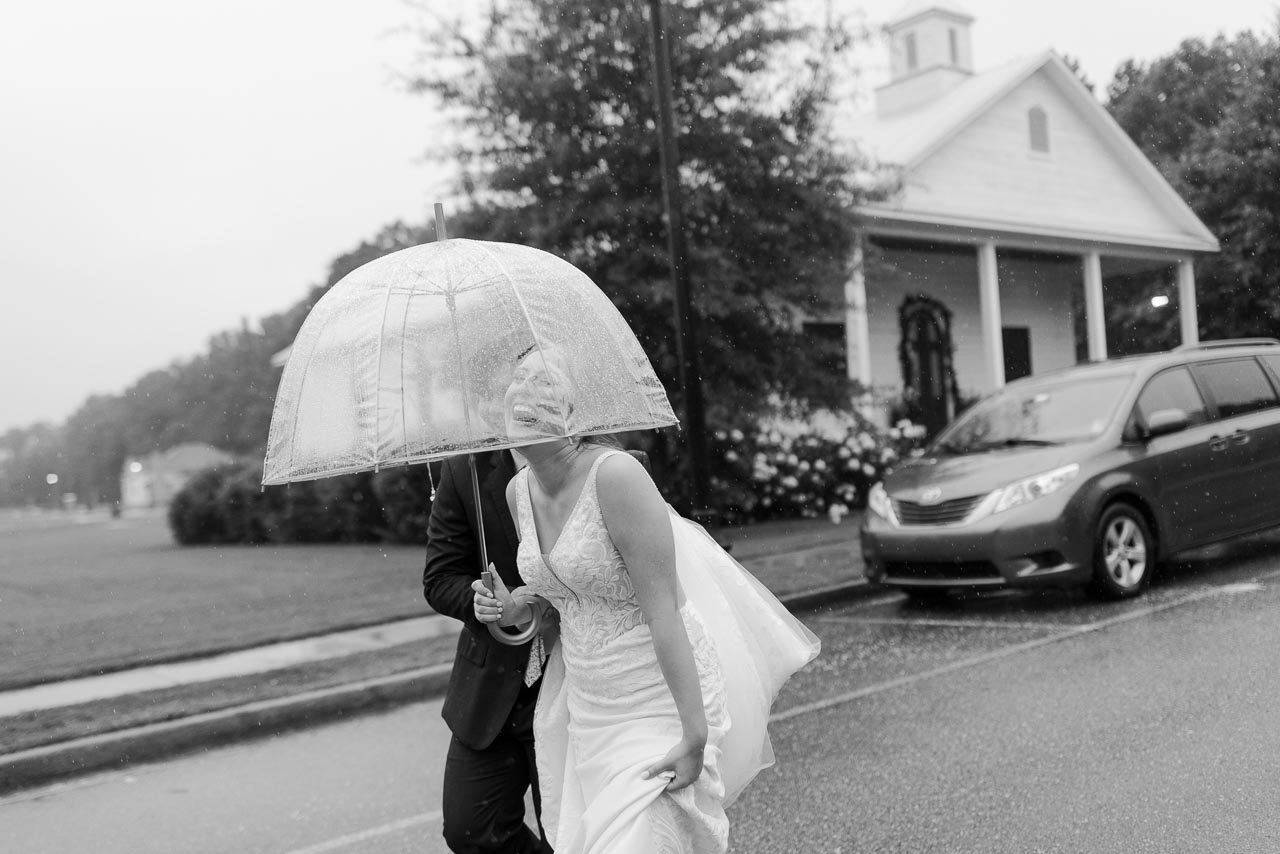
930,52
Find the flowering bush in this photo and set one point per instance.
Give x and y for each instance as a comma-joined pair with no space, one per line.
786,467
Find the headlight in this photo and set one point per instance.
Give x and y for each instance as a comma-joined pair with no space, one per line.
1028,490
878,503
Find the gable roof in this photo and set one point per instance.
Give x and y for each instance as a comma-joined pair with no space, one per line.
907,139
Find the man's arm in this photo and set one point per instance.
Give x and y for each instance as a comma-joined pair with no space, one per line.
452,552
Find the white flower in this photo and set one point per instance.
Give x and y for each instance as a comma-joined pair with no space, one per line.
895,433
736,435
804,465
868,470
837,512
731,456
843,453
819,465
792,459
721,435
790,482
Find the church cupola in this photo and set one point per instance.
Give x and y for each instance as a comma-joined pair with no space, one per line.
930,52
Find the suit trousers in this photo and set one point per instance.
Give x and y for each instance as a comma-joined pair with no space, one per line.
484,789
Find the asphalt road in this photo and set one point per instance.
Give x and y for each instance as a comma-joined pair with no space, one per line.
1007,722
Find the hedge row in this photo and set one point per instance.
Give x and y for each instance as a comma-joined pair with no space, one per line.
778,469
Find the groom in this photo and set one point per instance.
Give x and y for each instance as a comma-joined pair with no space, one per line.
488,707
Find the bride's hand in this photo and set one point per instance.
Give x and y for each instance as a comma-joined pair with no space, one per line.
681,765
502,606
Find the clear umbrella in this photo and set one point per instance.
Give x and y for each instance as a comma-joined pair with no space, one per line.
409,359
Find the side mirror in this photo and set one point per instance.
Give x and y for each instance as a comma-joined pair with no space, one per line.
1166,421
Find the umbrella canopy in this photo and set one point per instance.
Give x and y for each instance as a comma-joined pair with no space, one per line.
410,358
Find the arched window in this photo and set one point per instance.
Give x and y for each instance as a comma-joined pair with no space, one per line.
1038,122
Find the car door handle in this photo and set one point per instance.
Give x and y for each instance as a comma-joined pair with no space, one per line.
1240,437
1219,443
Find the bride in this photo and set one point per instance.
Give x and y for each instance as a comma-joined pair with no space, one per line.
655,697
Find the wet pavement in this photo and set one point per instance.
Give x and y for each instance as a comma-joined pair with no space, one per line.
1001,722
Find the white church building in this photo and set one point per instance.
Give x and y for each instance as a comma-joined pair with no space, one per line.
1019,201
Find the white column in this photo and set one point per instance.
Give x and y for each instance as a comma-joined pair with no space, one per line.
1094,314
1187,302
857,328
992,325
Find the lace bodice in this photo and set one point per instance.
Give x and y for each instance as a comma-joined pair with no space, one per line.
583,575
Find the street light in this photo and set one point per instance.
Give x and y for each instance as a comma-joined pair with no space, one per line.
52,480
686,326
1159,301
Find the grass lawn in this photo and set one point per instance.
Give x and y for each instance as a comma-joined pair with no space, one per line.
82,595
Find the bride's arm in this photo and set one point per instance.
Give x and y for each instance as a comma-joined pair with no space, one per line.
636,518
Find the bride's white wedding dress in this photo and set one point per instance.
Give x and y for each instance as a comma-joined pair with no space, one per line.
605,712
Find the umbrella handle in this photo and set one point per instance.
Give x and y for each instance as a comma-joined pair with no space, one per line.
503,636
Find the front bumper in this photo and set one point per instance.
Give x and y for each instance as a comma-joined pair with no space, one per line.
1038,544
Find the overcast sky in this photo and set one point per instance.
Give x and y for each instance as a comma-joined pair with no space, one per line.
169,167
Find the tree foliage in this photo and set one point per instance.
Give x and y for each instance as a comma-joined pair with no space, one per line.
556,105
1208,116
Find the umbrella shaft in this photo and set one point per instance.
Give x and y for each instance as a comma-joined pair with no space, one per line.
475,491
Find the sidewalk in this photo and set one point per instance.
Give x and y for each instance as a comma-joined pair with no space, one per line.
75,726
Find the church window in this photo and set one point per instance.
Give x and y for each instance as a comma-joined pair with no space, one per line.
910,41
1038,122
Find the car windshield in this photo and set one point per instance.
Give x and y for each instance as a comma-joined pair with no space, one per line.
1038,415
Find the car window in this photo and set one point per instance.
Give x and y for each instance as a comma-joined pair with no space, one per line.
1274,362
1054,413
1172,389
1237,386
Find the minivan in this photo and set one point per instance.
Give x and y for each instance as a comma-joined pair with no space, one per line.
1087,475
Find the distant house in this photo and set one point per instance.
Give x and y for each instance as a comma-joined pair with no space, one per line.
153,480
1020,202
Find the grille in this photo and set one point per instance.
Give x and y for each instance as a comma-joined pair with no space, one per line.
942,513
957,570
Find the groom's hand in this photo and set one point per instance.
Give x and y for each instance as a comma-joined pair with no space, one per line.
499,606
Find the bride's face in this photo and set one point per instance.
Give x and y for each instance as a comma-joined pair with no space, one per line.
537,403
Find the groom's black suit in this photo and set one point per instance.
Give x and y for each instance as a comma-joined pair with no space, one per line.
488,707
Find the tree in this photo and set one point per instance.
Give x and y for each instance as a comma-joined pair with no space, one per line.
555,101
1208,116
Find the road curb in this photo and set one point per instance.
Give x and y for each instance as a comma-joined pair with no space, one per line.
114,750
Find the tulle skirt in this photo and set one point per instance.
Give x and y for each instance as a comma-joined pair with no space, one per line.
606,714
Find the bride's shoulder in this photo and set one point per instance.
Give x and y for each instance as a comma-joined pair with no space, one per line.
621,474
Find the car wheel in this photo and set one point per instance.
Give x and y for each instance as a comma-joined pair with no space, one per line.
1124,553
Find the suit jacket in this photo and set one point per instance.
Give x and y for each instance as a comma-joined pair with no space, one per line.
487,676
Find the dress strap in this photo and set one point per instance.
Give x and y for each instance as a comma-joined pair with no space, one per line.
595,467
524,508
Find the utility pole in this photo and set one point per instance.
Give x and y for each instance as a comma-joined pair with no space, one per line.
686,322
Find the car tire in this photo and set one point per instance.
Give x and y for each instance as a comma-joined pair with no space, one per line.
1124,553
